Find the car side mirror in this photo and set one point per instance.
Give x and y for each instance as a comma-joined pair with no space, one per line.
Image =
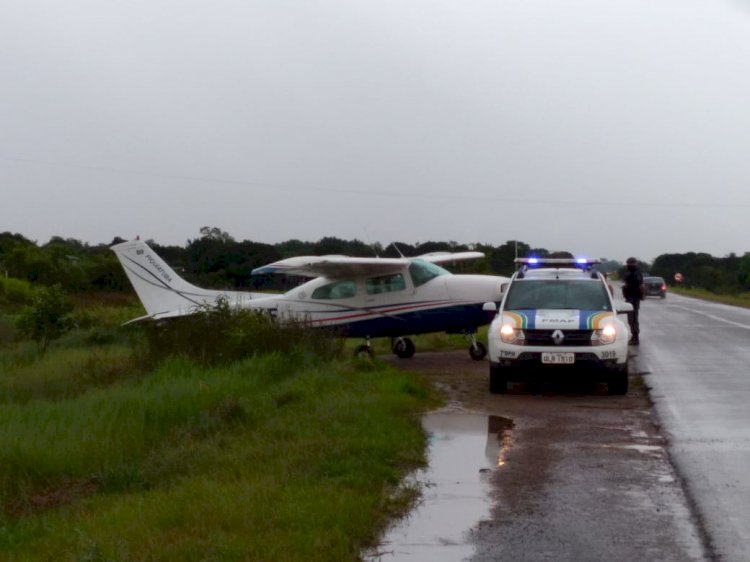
489,307
624,307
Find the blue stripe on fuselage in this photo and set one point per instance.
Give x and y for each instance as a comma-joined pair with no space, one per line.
454,318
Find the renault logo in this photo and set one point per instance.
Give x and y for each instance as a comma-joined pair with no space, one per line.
558,337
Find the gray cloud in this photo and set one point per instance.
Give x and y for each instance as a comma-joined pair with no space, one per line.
604,128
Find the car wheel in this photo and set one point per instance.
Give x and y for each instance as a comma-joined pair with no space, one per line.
618,381
478,351
498,380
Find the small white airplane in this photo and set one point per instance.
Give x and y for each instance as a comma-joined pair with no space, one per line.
358,297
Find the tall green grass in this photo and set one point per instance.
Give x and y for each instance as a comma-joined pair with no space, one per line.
277,457
220,437
62,372
222,334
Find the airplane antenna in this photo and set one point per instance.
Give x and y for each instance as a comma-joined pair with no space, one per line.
398,249
374,248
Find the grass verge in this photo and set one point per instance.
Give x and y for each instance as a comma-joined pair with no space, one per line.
276,457
740,299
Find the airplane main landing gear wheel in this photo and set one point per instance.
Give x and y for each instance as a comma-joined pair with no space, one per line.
403,347
365,350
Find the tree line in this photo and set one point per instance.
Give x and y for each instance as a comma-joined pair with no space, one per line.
216,259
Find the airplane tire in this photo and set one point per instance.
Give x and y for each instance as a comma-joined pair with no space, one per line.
404,349
478,352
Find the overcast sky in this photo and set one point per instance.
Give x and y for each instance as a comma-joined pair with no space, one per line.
606,128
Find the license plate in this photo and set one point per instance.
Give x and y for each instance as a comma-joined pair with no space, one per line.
558,358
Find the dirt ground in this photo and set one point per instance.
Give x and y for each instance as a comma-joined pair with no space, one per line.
583,475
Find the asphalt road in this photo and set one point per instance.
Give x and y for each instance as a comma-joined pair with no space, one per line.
662,473
697,356
581,476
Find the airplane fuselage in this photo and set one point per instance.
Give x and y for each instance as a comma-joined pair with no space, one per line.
357,297
361,307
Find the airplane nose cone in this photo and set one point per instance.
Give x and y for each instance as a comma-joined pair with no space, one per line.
477,288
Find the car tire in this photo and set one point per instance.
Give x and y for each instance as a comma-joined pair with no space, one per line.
618,381
498,380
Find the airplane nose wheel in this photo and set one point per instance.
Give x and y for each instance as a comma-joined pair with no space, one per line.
477,350
403,347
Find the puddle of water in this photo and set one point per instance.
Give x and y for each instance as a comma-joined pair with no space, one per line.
639,448
455,491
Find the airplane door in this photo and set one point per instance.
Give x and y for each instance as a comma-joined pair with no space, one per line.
387,288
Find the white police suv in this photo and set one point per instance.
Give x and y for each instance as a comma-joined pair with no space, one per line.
558,315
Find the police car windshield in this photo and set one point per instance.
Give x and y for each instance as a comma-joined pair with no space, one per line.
558,294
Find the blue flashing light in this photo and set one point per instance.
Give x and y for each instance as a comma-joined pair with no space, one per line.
582,261
533,261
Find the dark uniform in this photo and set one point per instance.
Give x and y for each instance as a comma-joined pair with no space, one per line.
632,291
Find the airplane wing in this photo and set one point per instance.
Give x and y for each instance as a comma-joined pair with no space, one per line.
332,266
447,257
345,266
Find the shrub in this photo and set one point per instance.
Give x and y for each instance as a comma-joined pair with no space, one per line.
15,293
47,318
220,334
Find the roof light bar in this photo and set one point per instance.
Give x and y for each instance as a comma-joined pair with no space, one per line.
556,262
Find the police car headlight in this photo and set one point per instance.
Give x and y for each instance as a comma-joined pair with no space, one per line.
511,334
604,336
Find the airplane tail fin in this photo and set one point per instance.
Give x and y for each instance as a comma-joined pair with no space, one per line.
163,292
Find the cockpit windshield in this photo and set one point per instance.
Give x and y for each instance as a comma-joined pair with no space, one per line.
423,271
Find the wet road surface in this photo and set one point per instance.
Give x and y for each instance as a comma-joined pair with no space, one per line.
697,356
571,474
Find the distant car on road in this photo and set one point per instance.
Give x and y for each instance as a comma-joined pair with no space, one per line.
655,287
559,316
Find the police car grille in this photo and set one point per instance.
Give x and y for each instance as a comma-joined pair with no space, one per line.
572,337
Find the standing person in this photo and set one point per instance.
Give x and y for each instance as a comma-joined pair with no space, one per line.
633,292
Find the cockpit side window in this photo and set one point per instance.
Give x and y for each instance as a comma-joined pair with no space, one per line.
385,284
336,290
423,271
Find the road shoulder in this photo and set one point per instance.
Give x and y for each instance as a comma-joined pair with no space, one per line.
583,476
